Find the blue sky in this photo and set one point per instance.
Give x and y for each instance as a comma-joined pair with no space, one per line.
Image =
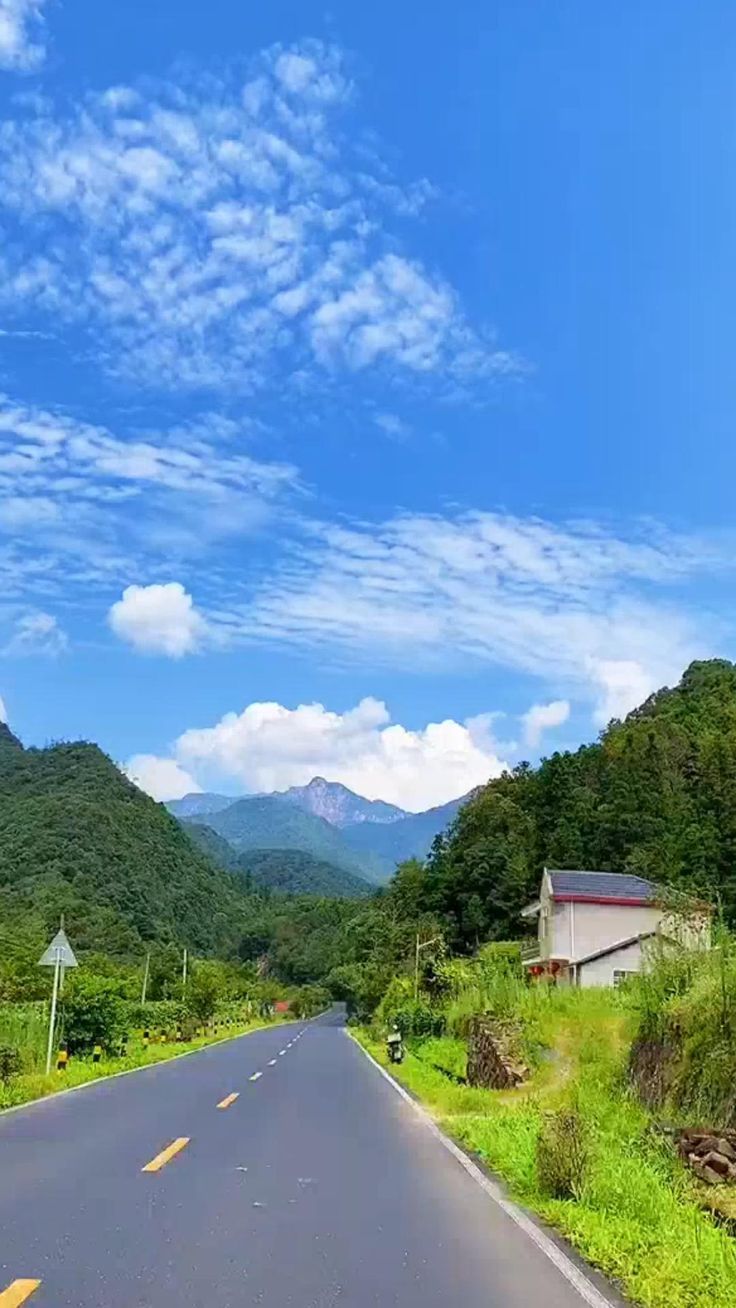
367,380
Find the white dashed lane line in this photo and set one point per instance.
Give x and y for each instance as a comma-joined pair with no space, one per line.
272,1061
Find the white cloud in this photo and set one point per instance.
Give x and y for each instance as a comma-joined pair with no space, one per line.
162,778
392,425
3,710
542,717
579,606
219,232
269,747
158,619
36,633
624,684
20,26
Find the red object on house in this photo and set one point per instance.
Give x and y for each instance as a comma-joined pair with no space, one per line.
282,1006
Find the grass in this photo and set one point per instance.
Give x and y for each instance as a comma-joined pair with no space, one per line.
36,1085
636,1218
25,1027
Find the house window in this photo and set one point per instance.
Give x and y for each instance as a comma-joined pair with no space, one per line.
620,976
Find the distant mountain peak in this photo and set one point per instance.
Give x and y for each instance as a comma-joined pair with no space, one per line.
338,805
199,803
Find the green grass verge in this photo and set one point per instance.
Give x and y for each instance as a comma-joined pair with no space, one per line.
36,1085
635,1219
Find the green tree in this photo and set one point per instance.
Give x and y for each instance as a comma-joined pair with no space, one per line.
92,1013
205,991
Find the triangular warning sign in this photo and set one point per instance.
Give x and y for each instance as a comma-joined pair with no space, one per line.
59,951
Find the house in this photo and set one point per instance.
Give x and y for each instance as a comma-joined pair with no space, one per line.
595,928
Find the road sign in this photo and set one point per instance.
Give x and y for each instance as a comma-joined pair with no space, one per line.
59,951
59,955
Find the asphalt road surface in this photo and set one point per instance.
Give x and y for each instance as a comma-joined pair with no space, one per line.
316,1185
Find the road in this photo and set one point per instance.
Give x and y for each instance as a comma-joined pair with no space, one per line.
317,1186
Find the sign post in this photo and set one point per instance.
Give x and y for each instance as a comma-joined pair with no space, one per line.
59,955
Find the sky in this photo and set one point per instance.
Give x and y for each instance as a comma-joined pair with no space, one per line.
366,380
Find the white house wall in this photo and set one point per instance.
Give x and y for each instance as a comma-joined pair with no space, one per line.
580,929
599,971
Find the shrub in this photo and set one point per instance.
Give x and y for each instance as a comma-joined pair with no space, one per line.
93,1013
155,1015
11,1063
562,1154
414,1017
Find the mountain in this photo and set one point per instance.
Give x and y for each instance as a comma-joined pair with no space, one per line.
409,837
266,822
366,837
199,804
77,837
338,805
286,871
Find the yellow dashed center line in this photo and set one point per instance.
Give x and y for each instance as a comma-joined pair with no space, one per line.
161,1159
228,1100
17,1293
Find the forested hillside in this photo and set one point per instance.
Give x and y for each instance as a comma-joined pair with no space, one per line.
266,822
285,871
656,795
77,837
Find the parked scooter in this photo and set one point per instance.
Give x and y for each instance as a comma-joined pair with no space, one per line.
395,1046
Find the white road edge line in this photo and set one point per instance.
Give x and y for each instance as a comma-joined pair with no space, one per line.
272,1062
585,1287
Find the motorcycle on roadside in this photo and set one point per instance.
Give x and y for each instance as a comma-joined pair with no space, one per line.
395,1046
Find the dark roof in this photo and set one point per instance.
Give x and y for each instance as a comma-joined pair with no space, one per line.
611,886
613,949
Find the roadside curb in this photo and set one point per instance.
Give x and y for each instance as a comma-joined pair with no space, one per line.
588,1292
144,1067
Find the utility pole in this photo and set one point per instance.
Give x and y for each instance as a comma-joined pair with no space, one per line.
425,945
184,975
145,978
52,1020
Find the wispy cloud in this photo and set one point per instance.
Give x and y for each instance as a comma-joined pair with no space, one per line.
79,502
392,425
21,30
216,232
574,604
34,634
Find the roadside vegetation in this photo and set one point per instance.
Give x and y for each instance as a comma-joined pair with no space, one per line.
103,1028
576,1142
